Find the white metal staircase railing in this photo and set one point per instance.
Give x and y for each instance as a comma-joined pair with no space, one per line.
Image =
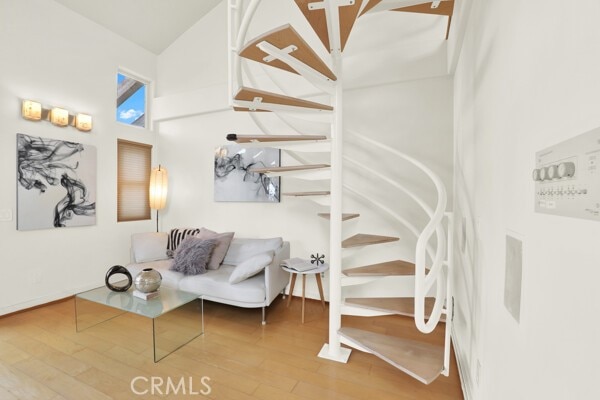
423,280
438,256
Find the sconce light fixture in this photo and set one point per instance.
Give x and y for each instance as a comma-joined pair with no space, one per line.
159,182
83,122
33,111
59,116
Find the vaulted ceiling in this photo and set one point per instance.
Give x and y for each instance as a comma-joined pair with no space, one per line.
152,24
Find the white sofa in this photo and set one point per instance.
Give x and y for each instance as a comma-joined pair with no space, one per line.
148,250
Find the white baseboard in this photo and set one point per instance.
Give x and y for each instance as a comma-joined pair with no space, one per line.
463,372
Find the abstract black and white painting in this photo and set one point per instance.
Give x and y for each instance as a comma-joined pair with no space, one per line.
56,183
234,179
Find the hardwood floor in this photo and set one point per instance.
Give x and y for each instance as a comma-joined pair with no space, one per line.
42,357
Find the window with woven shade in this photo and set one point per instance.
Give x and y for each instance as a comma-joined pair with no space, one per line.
133,180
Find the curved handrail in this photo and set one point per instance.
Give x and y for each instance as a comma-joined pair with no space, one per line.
393,183
402,188
241,36
379,205
423,280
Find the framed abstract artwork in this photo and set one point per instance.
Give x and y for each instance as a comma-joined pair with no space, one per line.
235,180
56,183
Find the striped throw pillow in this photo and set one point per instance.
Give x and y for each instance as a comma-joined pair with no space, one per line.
176,236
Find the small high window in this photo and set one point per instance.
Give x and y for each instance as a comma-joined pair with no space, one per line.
131,101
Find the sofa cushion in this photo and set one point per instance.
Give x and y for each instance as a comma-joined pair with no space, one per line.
242,249
215,283
176,236
192,255
250,267
223,242
169,278
149,246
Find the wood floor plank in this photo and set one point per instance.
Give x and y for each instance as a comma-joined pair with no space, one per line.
108,365
265,392
308,391
44,352
10,354
217,374
238,369
6,395
58,381
340,386
54,341
243,359
21,386
230,348
105,383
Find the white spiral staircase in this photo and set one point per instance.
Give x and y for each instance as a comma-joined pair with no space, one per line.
283,48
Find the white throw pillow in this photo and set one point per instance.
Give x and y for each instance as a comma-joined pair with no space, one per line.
250,267
149,246
223,242
242,249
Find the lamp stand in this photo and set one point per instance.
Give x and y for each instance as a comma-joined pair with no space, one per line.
156,220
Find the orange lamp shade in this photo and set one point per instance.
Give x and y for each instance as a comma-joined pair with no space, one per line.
159,181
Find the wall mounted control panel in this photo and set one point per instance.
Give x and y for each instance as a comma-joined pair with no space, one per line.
567,177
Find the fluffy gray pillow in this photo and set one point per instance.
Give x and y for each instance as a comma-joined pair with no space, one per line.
192,255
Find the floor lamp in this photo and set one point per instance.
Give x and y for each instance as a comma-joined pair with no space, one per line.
159,181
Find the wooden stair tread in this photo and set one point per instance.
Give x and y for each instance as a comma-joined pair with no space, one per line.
422,361
396,305
388,268
444,8
236,108
289,168
249,94
371,4
318,21
362,239
281,38
302,194
273,138
345,217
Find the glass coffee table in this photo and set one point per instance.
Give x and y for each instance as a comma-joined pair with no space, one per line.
177,316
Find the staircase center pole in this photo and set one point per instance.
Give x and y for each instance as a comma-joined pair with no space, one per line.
335,235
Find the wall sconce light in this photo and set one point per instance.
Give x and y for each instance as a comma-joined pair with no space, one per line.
83,122
59,116
159,182
33,111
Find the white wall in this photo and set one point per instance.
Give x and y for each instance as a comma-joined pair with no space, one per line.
405,101
526,79
57,57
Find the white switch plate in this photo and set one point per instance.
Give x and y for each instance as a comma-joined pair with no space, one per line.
6,214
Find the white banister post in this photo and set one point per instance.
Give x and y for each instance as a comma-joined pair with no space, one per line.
333,349
449,294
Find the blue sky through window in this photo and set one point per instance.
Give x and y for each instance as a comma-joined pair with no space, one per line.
133,107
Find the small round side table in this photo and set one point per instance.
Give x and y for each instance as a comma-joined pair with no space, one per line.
317,272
